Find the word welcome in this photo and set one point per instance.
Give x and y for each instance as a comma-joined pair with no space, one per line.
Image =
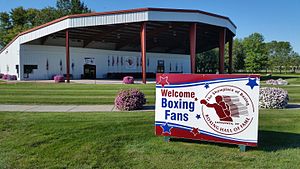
174,93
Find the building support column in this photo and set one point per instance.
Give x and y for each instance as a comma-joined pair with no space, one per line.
193,38
143,50
67,56
230,54
222,36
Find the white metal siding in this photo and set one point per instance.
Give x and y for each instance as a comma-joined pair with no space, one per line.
38,55
9,58
108,19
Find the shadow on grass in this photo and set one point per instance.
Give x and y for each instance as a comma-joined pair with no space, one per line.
267,141
277,77
293,106
273,140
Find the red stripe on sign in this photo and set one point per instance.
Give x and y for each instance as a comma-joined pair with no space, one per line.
191,78
188,134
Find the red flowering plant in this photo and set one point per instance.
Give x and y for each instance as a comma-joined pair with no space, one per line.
130,99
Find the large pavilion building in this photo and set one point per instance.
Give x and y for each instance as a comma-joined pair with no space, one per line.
139,42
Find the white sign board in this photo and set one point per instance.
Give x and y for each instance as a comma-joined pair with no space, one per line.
219,108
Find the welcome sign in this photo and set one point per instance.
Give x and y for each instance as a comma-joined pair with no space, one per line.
218,108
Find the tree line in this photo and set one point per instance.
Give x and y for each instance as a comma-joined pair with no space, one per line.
253,54
20,19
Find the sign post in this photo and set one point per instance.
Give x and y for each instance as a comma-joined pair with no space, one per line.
218,108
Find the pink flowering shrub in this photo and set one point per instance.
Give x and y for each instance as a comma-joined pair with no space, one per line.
9,77
130,99
1,75
5,77
128,80
59,78
273,98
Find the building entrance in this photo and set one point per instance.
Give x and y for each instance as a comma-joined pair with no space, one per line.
89,71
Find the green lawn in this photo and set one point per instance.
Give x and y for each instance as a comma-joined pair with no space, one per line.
127,140
293,88
51,93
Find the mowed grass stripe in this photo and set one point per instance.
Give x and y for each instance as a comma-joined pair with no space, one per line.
52,93
74,86
69,92
40,93
62,97
60,101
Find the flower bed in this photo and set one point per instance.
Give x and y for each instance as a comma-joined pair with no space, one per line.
273,98
8,77
128,80
277,82
130,99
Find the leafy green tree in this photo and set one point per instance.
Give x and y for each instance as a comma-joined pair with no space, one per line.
295,61
18,16
68,7
20,19
207,62
5,22
238,55
280,54
46,15
32,17
256,53
5,25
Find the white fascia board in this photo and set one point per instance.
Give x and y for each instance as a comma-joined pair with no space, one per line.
126,18
190,17
50,29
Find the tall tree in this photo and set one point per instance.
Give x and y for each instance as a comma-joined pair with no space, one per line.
207,62
5,25
67,7
238,55
280,54
46,15
18,16
295,61
256,53
20,19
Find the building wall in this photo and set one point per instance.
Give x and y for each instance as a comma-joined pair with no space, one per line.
9,59
106,61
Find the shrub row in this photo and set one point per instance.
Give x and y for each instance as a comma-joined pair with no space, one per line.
8,77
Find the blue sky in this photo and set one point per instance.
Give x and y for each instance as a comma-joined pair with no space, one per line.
275,19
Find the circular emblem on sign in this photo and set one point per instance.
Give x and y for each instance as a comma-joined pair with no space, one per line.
227,109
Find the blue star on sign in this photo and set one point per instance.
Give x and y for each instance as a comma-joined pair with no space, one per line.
166,128
252,83
198,116
206,86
